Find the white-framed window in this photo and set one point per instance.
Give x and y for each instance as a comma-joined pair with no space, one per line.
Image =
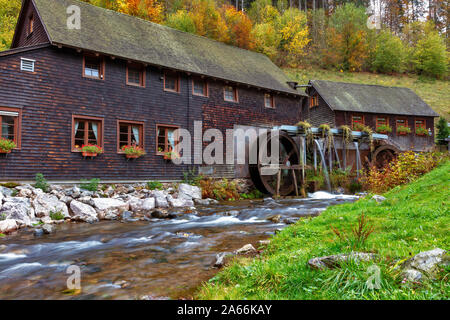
27,64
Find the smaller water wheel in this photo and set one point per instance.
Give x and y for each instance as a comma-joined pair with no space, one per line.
383,156
277,178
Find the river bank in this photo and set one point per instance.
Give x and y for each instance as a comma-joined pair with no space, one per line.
414,218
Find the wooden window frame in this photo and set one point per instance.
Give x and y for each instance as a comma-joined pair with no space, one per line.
378,125
87,118
313,101
17,125
272,101
177,76
131,123
205,87
235,93
415,124
142,75
102,67
167,126
396,123
353,123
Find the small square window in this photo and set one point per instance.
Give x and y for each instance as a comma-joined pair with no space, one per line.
269,101
136,75
230,94
93,67
357,121
171,81
27,65
200,87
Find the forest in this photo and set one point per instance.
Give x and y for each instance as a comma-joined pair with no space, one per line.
381,36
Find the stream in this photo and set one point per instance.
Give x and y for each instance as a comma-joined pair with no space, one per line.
156,258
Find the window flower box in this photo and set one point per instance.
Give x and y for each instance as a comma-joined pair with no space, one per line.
421,131
384,129
91,150
171,155
6,145
133,152
403,131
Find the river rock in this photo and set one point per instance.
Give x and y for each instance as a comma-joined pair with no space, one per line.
290,220
188,192
220,259
47,228
231,213
19,209
334,261
45,203
275,219
160,199
206,202
83,212
378,198
264,242
180,202
73,192
247,249
427,263
7,192
8,225
107,204
1,200
25,193
162,214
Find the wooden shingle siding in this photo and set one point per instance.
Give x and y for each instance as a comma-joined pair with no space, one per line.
56,91
22,38
321,114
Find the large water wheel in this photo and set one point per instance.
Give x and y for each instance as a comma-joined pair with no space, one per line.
383,156
281,178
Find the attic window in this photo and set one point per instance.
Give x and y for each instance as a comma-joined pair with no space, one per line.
93,67
171,81
314,101
230,94
27,65
199,87
30,25
136,75
269,101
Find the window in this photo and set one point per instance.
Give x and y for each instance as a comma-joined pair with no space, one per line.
10,119
30,25
401,123
420,123
130,133
136,75
199,87
357,121
166,139
86,130
27,65
314,101
171,81
230,94
269,101
93,67
382,121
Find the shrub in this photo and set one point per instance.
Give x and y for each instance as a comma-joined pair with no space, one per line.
57,215
7,145
154,185
407,167
222,190
358,237
443,130
340,178
254,194
91,185
41,183
191,177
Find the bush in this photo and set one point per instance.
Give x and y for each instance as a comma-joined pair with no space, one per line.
254,194
41,183
191,177
443,130
430,55
154,185
390,54
407,167
57,215
222,190
91,185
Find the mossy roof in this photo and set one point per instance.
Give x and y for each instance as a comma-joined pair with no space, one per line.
112,33
341,96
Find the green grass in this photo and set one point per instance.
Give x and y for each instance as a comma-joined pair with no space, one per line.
434,92
414,218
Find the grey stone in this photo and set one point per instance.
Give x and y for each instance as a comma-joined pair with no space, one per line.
275,218
8,225
45,203
290,220
205,202
220,259
188,192
231,213
47,228
247,249
107,204
83,212
19,209
160,199
412,275
6,191
378,198
426,262
38,232
334,261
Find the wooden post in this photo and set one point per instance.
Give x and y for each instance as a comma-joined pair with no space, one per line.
278,182
295,182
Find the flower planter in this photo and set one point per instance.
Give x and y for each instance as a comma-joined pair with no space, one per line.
132,156
89,154
4,151
382,132
402,133
421,134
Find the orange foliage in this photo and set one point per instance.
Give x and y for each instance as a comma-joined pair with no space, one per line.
239,27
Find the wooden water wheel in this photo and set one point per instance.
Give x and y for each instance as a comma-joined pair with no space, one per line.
279,178
383,156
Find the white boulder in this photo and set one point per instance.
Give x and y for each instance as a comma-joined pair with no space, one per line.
44,204
19,209
83,212
8,225
188,192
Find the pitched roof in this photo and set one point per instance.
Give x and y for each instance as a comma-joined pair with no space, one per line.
123,36
341,96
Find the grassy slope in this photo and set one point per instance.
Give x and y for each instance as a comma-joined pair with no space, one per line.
414,218
434,92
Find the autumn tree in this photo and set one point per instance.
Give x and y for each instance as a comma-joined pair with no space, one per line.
151,10
9,11
390,53
430,55
181,20
239,27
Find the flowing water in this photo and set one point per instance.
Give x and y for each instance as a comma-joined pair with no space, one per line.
159,258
